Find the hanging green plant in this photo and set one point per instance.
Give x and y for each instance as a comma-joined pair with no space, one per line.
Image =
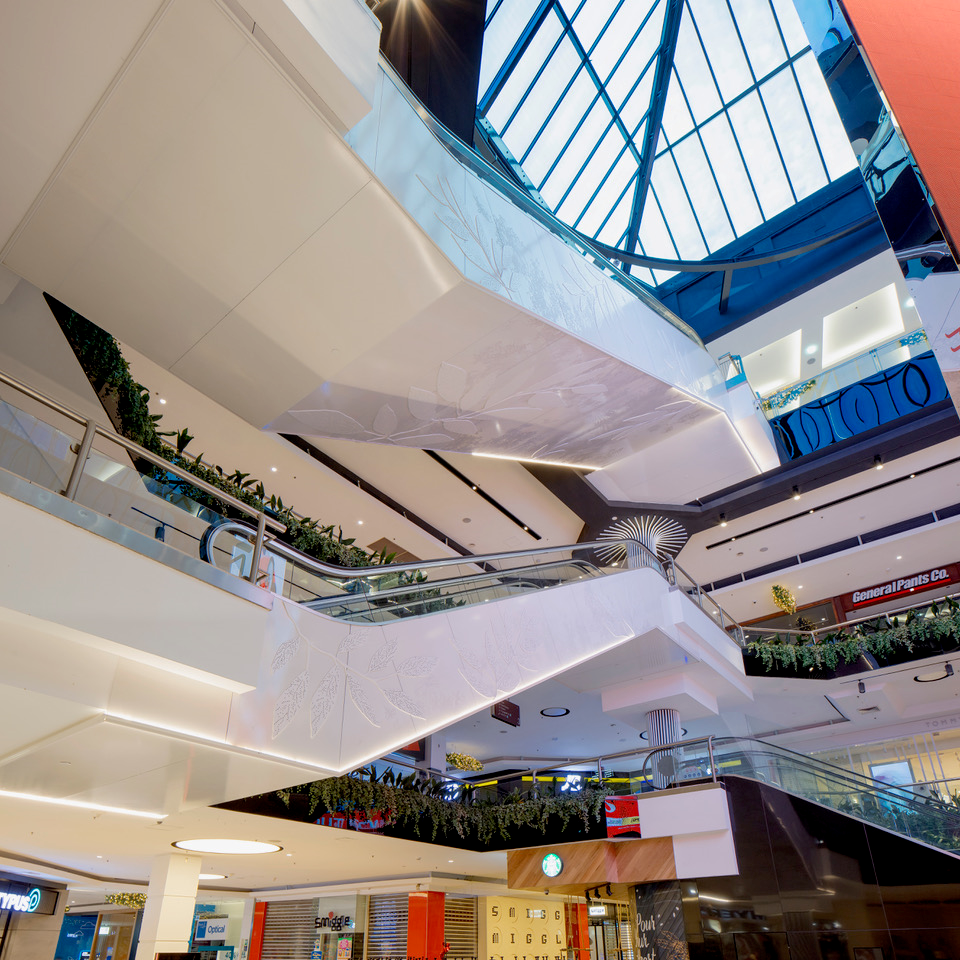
880,638
424,805
463,761
783,598
128,405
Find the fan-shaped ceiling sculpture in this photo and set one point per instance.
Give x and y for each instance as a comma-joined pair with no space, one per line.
660,535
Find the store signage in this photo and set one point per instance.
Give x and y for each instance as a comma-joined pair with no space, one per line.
27,898
929,579
623,816
332,922
211,929
551,865
597,910
22,903
367,821
506,711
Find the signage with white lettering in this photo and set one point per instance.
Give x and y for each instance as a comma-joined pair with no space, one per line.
27,898
930,579
597,910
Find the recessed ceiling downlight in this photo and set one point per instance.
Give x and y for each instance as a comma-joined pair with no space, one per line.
226,845
554,711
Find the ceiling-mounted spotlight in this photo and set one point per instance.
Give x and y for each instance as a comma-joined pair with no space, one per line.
861,686
609,890
796,492
878,462
586,894
723,519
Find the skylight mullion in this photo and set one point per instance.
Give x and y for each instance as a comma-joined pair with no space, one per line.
576,130
526,93
493,12
578,47
666,225
513,57
584,65
553,110
583,166
600,186
763,105
611,166
740,96
693,209
796,80
613,209
696,130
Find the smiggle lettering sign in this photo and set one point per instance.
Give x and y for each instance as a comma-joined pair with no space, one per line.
22,903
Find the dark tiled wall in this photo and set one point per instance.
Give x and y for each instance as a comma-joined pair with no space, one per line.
817,885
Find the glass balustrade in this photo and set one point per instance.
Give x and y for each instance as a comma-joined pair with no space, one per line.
845,374
899,809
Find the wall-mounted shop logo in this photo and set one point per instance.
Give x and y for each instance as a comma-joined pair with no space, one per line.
23,903
551,865
332,922
211,929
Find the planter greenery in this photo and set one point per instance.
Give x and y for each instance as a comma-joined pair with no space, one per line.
127,404
880,638
423,805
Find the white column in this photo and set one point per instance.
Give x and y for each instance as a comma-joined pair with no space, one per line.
171,897
435,755
663,726
246,928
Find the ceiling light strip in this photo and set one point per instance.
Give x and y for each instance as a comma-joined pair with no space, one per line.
82,805
482,493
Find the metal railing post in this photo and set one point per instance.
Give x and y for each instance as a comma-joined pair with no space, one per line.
713,765
257,548
83,452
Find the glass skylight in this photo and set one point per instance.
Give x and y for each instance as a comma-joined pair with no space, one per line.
673,159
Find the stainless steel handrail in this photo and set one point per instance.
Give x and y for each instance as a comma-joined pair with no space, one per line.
405,590
351,573
92,429
836,627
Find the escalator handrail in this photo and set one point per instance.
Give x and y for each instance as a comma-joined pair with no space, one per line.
861,782
354,573
408,589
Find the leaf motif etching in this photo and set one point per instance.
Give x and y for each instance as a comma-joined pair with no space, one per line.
289,702
360,676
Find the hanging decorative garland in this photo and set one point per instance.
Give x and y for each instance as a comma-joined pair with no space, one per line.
136,900
783,598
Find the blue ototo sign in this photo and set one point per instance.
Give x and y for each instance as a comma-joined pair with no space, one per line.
22,903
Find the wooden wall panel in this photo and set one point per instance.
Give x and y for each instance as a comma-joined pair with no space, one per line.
591,863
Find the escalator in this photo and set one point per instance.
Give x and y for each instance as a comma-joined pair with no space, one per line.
328,667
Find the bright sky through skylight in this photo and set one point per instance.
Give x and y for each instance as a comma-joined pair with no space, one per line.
747,129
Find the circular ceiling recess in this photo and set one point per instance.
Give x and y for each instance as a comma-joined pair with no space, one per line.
226,845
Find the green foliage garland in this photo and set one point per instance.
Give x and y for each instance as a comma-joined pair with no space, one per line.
409,802
127,402
880,638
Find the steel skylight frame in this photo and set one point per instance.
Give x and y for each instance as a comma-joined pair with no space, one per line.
729,200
